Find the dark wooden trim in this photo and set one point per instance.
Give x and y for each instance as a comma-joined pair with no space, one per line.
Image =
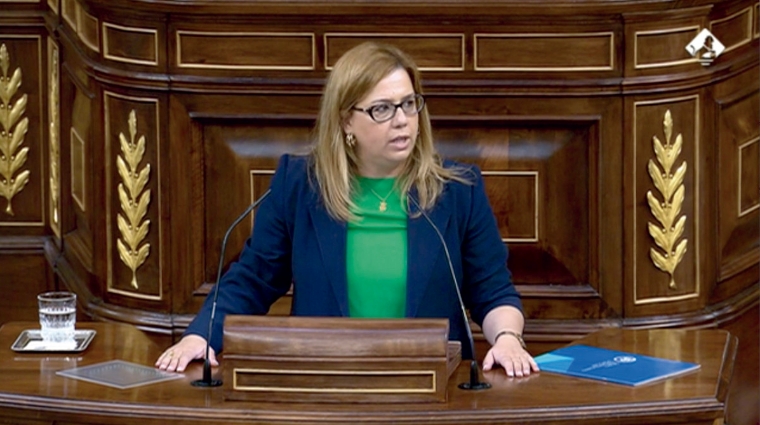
709,317
22,244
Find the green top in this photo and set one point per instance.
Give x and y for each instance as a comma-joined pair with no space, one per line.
376,251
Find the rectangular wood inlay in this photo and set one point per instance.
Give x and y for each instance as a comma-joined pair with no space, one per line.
734,30
69,12
87,29
130,44
545,52
431,52
239,50
663,48
78,170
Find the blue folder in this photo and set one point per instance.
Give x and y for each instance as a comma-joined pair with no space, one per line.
620,367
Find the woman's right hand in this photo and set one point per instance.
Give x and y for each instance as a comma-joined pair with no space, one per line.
189,348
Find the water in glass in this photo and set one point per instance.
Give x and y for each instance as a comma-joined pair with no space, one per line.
57,317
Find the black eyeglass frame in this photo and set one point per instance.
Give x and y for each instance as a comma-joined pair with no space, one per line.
369,111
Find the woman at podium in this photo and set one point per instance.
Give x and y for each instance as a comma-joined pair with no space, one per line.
372,223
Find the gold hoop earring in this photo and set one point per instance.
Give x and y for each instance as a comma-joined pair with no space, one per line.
350,140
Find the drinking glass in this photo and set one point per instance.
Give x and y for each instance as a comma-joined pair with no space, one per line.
58,313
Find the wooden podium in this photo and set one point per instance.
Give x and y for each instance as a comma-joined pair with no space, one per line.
32,393
317,359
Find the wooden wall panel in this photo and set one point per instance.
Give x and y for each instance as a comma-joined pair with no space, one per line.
80,141
738,136
749,199
557,52
734,30
239,159
524,169
134,196
558,105
78,172
665,122
245,50
656,42
516,204
742,396
130,44
664,47
87,29
23,277
69,12
431,51
22,181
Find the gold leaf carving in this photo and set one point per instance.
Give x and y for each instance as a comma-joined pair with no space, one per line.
134,200
12,133
54,140
666,211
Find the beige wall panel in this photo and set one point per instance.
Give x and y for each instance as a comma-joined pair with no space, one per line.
53,4
663,48
26,183
239,50
651,284
545,52
130,44
132,131
734,30
431,52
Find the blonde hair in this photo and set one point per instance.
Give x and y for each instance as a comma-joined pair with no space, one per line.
354,75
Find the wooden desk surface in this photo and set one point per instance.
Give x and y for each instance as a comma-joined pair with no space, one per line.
30,389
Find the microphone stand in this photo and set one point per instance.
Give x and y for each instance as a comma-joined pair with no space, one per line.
207,381
474,383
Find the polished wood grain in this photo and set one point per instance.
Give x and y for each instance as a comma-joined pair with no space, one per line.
338,360
696,398
556,101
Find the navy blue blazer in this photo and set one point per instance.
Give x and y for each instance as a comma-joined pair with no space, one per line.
295,240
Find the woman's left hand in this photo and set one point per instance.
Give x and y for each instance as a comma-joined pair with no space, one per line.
508,353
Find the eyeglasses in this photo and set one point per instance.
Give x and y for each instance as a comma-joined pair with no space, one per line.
382,112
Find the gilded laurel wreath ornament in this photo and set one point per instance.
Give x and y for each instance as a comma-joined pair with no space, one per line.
54,140
134,200
12,132
666,234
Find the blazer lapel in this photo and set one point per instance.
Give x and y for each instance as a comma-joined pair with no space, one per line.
331,238
424,248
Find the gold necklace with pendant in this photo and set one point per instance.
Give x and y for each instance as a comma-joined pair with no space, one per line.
383,205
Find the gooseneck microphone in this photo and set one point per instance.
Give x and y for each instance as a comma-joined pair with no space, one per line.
206,381
474,383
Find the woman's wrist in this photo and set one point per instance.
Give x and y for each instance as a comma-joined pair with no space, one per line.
510,334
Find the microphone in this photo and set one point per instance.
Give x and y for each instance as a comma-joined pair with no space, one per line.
474,383
207,381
